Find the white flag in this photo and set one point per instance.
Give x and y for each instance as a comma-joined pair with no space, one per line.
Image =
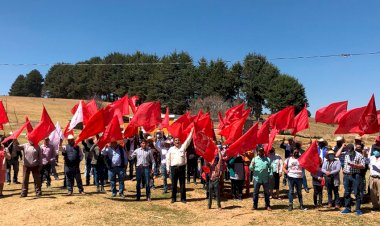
56,136
77,117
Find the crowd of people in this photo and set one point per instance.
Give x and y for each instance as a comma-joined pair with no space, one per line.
147,157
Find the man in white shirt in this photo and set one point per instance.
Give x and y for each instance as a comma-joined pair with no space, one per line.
163,147
176,165
374,181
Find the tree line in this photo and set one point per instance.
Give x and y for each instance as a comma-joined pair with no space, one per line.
175,80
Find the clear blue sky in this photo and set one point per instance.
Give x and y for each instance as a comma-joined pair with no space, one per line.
70,31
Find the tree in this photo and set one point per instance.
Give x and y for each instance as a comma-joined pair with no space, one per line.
18,87
33,83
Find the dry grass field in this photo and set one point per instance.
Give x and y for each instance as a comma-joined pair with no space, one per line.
55,208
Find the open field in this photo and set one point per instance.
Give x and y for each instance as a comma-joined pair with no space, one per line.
54,208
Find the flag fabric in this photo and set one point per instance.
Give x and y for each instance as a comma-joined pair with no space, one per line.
88,109
378,116
95,125
122,104
272,135
246,142
221,121
16,133
148,115
205,124
235,129
331,113
349,121
130,131
29,126
43,128
368,122
263,133
301,121
283,119
177,128
234,113
310,160
132,103
77,117
66,131
204,146
56,136
165,121
112,133
3,114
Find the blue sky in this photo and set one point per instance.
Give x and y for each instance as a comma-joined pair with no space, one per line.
47,32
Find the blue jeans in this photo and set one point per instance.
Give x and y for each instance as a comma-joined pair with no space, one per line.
165,177
295,182
88,171
120,172
304,180
352,183
140,171
99,172
256,190
15,164
72,173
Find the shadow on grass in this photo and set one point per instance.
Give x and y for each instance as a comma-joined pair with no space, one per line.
231,207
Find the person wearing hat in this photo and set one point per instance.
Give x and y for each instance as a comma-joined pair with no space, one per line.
145,160
261,167
72,155
374,181
16,155
48,159
353,163
322,148
375,146
116,160
339,143
287,148
298,146
131,145
98,164
163,148
358,140
331,169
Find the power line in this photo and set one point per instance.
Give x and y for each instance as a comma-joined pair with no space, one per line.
345,55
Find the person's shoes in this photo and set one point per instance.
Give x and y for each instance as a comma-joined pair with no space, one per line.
173,201
254,208
38,195
195,183
56,178
122,195
290,208
82,193
337,206
113,194
188,182
8,183
183,201
148,199
306,190
345,211
219,208
102,189
359,212
16,182
329,205
137,199
97,189
269,209
69,193
302,207
48,186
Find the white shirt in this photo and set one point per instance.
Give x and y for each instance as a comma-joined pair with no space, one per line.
374,166
177,156
294,168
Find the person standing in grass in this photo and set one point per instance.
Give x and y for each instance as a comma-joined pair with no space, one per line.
215,174
318,187
294,171
374,181
48,159
331,168
4,155
274,180
261,167
98,164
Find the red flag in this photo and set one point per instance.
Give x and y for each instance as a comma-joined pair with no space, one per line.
301,121
130,131
3,114
263,133
43,128
148,115
246,142
165,122
204,146
234,113
112,133
283,119
272,136
16,133
349,121
95,125
204,123
310,159
132,103
331,113
368,121
235,129
378,117
92,107
29,127
66,131
221,121
122,104
177,128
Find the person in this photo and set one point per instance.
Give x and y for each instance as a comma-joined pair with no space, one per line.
236,169
156,163
145,160
55,163
294,171
375,146
16,154
353,162
116,160
322,148
331,169
298,146
192,163
374,181
287,148
32,164
339,143
248,156
274,180
163,148
131,145
98,164
176,165
72,155
4,156
318,186
48,158
88,156
261,167
215,174
358,141
364,151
